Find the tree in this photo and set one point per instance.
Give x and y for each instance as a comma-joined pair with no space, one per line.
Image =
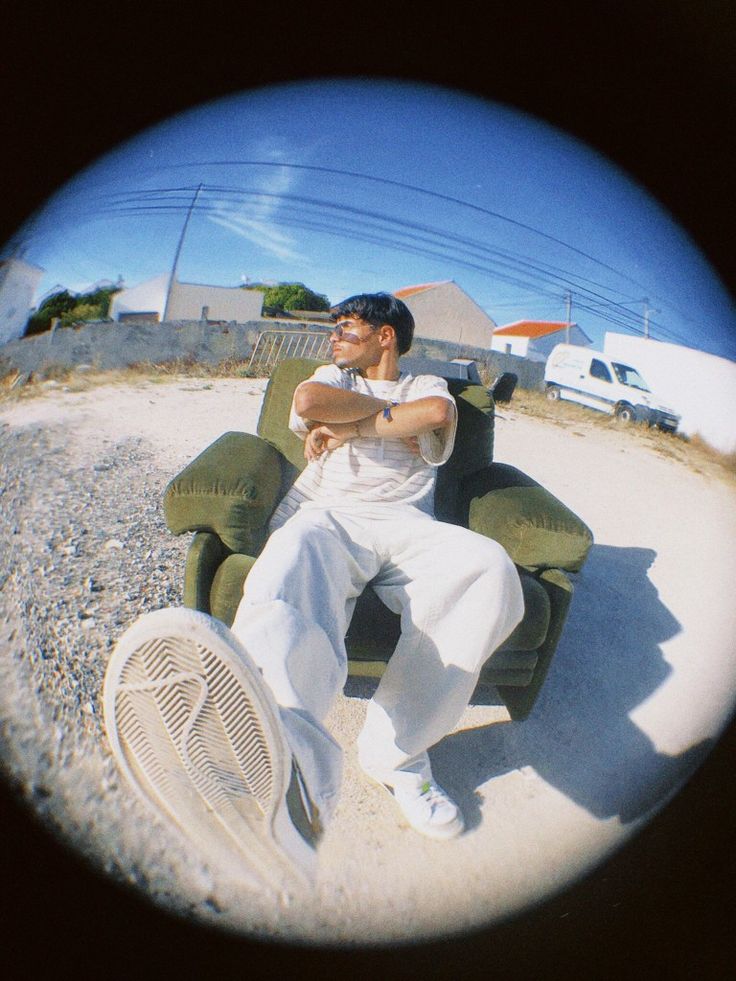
54,306
101,297
70,308
291,296
81,312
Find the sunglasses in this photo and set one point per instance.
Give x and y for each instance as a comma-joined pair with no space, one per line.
349,337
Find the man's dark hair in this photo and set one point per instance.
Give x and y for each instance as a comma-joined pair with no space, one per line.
377,309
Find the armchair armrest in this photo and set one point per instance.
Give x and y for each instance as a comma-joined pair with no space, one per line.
230,489
536,529
206,554
520,701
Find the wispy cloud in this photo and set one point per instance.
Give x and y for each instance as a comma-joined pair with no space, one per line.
256,219
262,232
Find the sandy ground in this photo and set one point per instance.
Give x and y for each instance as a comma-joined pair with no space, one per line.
642,683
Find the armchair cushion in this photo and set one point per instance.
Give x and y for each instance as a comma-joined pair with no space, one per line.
536,529
230,489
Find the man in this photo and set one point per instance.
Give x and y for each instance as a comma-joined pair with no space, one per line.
361,511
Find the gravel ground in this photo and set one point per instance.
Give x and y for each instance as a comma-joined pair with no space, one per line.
79,523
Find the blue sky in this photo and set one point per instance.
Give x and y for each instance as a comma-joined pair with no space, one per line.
352,186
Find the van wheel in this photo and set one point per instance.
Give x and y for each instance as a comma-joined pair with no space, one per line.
625,413
553,393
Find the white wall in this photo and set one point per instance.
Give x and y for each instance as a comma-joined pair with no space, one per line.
541,347
223,302
700,387
445,312
144,298
508,344
537,348
187,300
18,282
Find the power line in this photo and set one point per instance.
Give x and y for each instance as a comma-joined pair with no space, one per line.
410,187
504,258
537,265
510,259
283,196
504,262
375,239
422,191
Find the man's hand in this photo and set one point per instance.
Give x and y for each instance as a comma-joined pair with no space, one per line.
327,437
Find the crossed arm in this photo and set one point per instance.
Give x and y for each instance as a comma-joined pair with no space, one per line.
336,415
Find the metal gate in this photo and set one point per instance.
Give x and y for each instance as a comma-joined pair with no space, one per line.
273,346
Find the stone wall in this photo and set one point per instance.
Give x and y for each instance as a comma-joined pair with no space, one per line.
530,374
106,345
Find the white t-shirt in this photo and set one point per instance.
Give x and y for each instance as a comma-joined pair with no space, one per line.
371,471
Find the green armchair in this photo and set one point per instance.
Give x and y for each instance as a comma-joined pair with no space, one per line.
228,493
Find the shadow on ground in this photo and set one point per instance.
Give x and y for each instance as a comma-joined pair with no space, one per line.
580,737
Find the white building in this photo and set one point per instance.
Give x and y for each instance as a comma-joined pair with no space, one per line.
700,387
146,301
534,339
18,283
444,312
154,301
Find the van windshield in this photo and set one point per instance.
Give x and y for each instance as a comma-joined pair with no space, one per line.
629,376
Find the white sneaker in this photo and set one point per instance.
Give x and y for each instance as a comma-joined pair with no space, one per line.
196,731
429,810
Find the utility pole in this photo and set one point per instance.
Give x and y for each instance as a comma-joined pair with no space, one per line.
172,278
568,304
647,311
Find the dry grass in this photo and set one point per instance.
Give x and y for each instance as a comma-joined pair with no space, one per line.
14,386
693,451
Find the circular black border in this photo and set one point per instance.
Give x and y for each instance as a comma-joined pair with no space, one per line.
651,86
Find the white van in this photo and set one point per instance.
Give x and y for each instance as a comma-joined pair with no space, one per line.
590,378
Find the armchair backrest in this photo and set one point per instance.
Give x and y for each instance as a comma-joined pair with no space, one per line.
273,422
473,444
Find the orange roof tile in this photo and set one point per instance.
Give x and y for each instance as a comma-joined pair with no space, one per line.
531,328
411,290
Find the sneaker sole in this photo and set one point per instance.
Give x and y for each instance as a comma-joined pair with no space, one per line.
197,734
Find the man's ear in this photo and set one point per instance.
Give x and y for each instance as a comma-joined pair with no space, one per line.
387,335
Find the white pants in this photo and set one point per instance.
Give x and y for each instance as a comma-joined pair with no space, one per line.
459,597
